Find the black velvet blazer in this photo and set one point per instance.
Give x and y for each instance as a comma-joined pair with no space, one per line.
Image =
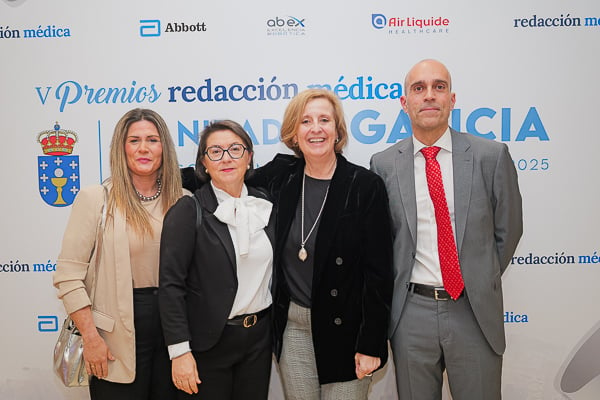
352,279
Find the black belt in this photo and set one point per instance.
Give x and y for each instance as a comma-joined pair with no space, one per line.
430,291
248,320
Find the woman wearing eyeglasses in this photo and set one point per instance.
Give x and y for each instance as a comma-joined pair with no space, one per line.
215,273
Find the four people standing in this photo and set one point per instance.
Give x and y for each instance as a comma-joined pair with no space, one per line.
440,244
457,220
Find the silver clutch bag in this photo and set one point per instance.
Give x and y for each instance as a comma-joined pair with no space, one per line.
69,364
68,356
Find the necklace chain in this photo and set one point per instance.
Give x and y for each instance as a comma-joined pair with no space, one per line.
154,196
303,254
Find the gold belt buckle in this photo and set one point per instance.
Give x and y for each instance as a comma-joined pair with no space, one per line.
436,295
249,320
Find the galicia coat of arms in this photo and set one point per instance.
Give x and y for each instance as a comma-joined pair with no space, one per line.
58,169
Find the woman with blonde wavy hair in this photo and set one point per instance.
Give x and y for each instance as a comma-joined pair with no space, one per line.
124,350
332,274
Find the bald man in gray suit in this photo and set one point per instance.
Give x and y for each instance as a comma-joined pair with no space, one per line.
434,329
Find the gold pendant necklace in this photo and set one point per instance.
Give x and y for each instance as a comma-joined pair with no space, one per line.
303,254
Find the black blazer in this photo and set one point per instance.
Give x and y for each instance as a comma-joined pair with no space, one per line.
353,255
198,280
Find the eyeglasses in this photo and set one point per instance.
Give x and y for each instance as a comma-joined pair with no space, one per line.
235,151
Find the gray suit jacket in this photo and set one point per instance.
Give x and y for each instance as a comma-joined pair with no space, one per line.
488,219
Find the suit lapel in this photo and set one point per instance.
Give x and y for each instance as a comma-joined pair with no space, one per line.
340,185
462,164
270,228
406,184
287,203
122,260
209,200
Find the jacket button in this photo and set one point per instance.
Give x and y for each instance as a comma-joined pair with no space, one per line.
333,292
337,321
339,261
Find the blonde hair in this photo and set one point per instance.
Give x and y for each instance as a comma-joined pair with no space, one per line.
293,116
123,196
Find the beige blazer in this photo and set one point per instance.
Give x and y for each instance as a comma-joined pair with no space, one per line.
113,302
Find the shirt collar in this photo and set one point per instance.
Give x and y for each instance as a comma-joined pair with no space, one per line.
223,195
444,142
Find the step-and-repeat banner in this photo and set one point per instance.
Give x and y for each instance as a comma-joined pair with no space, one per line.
525,73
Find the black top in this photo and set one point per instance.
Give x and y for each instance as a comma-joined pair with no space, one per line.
299,274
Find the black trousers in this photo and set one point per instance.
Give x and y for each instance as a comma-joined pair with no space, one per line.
238,367
152,366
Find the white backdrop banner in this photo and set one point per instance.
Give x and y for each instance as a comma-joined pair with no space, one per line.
524,73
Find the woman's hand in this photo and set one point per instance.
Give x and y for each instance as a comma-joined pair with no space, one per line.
185,373
96,355
95,351
365,365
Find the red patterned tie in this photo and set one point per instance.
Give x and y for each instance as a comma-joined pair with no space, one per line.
453,281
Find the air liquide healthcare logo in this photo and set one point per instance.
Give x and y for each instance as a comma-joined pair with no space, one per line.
58,170
410,25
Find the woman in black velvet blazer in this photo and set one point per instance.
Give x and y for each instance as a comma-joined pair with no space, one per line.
347,300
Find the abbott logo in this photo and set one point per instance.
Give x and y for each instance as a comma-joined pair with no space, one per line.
47,323
378,20
149,27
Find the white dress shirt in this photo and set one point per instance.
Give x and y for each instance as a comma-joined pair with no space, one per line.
427,263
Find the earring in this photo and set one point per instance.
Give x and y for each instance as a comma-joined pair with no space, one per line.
337,139
248,166
206,170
